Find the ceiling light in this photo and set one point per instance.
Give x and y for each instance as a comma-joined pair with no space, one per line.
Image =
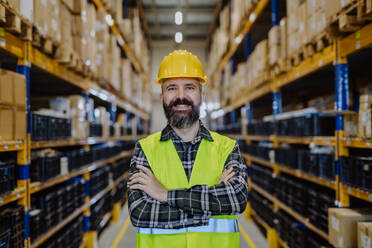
178,37
178,18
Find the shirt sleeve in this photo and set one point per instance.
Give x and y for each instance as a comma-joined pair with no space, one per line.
147,212
226,198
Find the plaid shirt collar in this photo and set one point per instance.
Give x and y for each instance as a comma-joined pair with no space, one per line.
168,133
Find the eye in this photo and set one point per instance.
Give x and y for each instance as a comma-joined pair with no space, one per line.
190,87
171,88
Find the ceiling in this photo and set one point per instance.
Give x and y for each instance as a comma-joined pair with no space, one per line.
197,18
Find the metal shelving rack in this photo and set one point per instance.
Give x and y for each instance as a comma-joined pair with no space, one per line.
335,54
27,57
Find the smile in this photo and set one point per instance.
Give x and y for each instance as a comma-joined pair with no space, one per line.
182,107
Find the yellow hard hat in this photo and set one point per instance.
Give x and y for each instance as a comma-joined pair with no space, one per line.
181,63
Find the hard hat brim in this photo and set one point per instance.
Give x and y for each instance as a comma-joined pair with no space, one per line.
204,79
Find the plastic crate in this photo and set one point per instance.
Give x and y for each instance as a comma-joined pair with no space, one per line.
5,239
7,176
45,168
39,127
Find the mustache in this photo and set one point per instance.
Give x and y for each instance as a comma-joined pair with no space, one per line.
180,101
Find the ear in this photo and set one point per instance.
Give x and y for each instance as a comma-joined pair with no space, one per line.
161,97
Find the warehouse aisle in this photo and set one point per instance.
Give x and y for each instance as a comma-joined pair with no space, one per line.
113,235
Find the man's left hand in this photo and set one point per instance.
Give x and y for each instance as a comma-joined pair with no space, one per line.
147,182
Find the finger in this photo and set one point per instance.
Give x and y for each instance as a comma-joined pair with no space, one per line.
226,172
139,174
137,186
138,180
145,170
231,175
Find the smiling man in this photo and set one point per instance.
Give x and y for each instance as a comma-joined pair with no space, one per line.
186,183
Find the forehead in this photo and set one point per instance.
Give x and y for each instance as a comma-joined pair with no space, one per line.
180,81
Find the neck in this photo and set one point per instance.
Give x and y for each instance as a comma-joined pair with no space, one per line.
188,134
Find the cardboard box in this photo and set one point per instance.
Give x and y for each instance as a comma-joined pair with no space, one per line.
125,26
274,54
283,38
53,20
65,26
27,9
15,4
292,6
365,235
77,106
342,225
365,124
80,46
41,15
6,123
91,20
20,124
365,98
76,6
331,8
79,128
302,24
321,21
12,88
274,35
351,125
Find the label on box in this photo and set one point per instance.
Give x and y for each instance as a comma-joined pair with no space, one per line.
335,223
365,241
64,165
340,241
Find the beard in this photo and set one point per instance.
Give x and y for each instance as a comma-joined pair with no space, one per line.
181,118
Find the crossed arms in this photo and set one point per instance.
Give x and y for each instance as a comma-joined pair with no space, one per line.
151,205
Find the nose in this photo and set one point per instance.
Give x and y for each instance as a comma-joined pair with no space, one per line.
180,93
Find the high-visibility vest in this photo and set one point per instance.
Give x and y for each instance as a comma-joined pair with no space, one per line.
222,231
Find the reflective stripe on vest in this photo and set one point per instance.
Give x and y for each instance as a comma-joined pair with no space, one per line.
215,226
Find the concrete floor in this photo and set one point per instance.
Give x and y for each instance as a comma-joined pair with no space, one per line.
128,240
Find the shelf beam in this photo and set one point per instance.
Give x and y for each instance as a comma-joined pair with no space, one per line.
291,212
62,224
37,186
293,172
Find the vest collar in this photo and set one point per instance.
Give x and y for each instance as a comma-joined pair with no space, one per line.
168,133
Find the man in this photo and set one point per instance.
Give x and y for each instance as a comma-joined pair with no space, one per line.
186,183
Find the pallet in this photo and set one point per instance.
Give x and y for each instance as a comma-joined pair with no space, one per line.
318,43
350,19
297,57
14,22
278,68
45,43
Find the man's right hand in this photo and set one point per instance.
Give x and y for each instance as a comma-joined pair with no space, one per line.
227,175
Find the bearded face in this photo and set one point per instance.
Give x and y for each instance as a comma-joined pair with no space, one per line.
181,113
181,99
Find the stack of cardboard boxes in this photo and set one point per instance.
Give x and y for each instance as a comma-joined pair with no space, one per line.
13,106
231,19
350,228
78,26
365,116
274,44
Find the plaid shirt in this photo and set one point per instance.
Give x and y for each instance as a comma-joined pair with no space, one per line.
193,206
